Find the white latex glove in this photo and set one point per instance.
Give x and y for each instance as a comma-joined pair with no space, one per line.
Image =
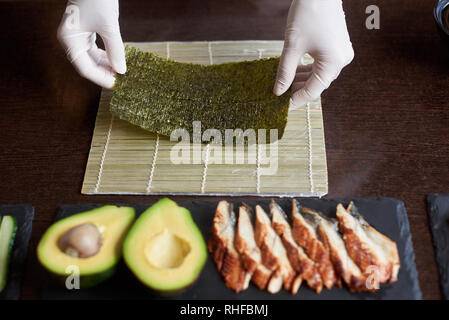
82,20
317,27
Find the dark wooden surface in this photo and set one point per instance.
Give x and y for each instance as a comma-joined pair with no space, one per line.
386,117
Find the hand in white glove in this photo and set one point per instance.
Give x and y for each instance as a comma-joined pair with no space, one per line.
317,27
82,20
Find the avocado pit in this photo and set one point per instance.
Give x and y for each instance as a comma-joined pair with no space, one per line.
81,241
166,250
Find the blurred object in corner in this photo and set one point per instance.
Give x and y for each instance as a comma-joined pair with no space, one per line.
441,14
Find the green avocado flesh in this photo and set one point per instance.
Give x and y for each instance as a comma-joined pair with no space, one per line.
162,95
165,249
111,221
8,228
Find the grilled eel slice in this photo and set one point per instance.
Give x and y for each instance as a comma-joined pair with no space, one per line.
245,244
305,234
222,250
344,266
299,260
274,256
371,251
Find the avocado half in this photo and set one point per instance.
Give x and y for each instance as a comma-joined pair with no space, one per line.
165,249
113,223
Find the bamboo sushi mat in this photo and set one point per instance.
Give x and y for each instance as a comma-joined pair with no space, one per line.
125,159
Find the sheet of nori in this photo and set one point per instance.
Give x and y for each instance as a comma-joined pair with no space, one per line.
162,95
438,210
24,215
385,214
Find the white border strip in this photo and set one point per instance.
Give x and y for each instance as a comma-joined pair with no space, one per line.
309,147
103,155
258,169
168,50
215,194
206,158
153,164
206,163
309,141
215,42
209,48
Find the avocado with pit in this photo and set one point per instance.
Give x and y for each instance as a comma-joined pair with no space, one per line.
165,249
89,242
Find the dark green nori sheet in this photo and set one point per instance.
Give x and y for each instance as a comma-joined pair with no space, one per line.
162,95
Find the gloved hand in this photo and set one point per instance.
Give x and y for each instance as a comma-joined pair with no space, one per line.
317,27
82,20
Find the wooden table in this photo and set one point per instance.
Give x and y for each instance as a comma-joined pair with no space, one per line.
386,117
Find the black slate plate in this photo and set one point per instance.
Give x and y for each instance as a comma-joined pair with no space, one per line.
438,209
386,215
24,214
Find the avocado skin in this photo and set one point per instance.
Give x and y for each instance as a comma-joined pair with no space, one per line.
94,279
171,293
163,293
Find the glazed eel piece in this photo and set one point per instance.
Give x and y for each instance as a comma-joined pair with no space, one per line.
245,244
274,256
344,266
305,234
299,260
373,252
222,249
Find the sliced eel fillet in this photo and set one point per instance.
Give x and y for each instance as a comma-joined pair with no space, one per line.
274,255
222,250
245,244
344,266
305,234
299,260
373,252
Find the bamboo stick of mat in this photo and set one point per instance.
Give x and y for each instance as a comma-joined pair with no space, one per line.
125,159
